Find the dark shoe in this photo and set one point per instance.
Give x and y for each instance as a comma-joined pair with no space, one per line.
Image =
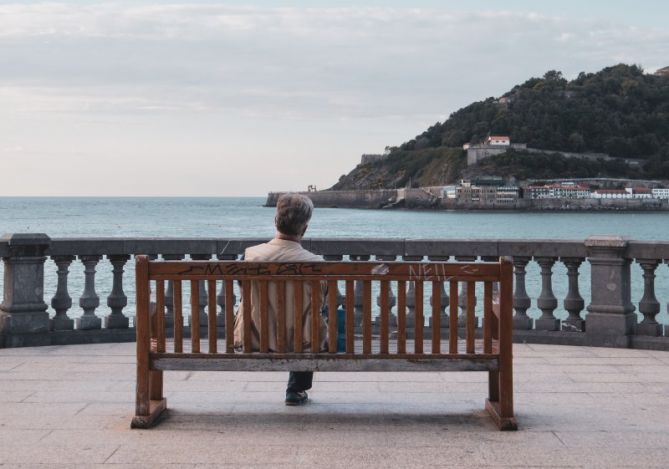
296,397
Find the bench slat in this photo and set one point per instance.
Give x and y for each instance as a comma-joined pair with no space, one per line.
297,315
229,317
385,317
234,270
325,362
160,315
281,316
315,315
401,316
264,316
366,316
211,316
195,316
487,317
471,316
453,317
419,320
332,316
178,317
350,310
436,317
246,315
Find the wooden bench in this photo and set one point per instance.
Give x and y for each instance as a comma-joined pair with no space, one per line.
381,350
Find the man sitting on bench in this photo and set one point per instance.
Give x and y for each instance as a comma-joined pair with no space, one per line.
293,212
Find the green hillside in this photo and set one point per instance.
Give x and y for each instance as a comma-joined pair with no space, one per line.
620,111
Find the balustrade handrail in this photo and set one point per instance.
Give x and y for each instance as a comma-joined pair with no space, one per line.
343,246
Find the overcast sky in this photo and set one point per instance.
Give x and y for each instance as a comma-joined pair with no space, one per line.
241,98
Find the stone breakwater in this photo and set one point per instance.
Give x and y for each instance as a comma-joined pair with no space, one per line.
426,199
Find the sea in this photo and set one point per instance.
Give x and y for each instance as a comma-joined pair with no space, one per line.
183,217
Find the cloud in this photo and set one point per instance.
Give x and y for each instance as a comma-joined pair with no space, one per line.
293,63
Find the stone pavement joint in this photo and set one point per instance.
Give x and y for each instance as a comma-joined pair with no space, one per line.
70,406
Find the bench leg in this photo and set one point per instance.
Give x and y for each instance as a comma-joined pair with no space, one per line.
500,401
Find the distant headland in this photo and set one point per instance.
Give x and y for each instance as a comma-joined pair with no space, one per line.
598,142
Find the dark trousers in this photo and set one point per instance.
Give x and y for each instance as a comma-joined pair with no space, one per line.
299,381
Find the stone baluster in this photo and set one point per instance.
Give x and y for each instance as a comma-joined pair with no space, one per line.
117,300
649,306
89,299
169,293
611,319
443,296
573,302
62,301
220,297
392,299
462,298
202,293
547,302
23,317
521,301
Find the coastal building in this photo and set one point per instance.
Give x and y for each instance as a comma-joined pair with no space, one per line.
663,72
503,140
558,190
626,193
493,145
473,194
507,194
449,192
660,193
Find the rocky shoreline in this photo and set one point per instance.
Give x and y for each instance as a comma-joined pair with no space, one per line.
423,199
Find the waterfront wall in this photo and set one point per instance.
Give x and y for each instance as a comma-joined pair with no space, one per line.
600,309
344,199
429,198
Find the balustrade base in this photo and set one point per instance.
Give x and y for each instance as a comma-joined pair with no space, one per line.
649,343
522,322
610,329
116,321
653,330
88,322
547,324
574,325
548,337
63,323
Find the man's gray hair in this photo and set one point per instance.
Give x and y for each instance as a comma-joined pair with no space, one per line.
293,212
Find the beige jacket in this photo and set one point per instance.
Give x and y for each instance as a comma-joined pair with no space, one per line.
280,250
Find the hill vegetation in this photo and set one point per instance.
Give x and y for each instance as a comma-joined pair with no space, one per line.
620,111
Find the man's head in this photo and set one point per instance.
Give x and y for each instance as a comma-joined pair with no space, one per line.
293,212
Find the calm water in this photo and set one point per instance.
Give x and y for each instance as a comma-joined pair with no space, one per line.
246,217
240,217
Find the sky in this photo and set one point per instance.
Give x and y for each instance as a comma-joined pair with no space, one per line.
239,98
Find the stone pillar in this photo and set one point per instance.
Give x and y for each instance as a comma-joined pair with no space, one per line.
24,320
89,299
521,301
169,293
649,306
117,300
611,319
357,316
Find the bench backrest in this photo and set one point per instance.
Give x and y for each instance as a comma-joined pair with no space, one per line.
223,277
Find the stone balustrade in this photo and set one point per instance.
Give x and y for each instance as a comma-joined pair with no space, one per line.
596,272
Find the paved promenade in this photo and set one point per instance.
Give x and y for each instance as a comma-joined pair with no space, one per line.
70,406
